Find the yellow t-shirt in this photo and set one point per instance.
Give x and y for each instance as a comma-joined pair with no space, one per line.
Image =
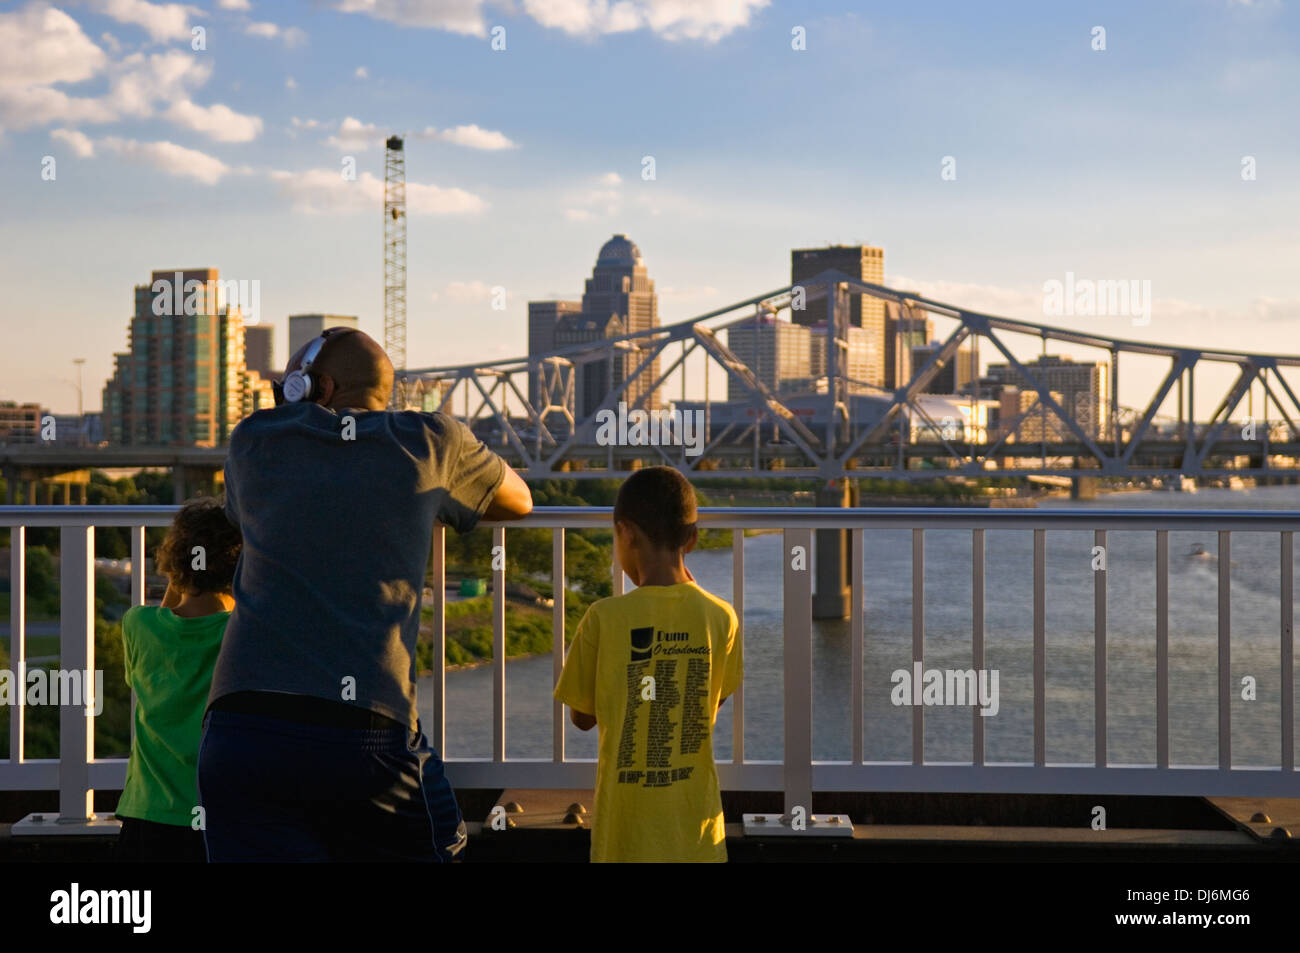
652,667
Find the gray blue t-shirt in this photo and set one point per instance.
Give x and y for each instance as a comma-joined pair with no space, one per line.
337,527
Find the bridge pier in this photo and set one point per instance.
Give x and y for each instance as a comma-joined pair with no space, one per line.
831,583
1083,488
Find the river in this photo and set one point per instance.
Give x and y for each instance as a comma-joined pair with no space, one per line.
1193,656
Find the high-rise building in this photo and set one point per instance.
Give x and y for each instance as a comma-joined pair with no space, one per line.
304,327
592,379
779,353
857,356
543,316
955,375
20,423
259,350
863,263
619,287
906,327
1085,394
183,380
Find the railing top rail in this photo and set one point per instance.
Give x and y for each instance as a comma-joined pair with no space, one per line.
775,517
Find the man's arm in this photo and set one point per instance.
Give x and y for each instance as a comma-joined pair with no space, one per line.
513,499
584,721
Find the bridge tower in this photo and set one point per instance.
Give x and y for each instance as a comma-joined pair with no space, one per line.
395,266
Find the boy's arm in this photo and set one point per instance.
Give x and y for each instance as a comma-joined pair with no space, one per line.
577,685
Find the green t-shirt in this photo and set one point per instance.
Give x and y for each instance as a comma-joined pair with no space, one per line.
169,661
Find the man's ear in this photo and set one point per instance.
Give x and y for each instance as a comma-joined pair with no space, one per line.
327,389
694,538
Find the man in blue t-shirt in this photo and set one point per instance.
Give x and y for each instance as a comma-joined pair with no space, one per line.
312,749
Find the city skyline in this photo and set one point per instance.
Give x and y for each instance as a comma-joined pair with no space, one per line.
513,183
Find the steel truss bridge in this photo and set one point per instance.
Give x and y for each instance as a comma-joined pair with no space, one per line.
542,436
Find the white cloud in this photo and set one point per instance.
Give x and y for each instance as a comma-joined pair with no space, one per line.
292,36
456,16
325,191
355,134
217,122
305,123
473,137
162,21
169,158
290,83
110,41
143,81
605,199
40,45
707,20
233,4
361,73
78,142
467,290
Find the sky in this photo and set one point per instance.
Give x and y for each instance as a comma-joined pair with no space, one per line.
988,148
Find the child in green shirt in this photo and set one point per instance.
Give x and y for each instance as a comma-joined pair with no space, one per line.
170,651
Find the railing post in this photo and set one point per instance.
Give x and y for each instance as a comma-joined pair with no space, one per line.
797,658
1162,648
1099,619
17,636
77,654
1225,650
499,644
1040,647
918,640
1288,649
738,603
977,634
438,578
557,639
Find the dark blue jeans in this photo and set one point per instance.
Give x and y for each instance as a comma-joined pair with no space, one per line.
277,790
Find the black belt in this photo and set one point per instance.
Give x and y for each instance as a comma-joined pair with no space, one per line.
305,709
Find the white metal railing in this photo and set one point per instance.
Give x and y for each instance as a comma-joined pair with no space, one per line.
76,773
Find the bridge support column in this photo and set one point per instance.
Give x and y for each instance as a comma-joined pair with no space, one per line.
1083,488
178,484
831,585
11,486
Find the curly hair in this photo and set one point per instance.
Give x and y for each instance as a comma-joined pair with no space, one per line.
200,523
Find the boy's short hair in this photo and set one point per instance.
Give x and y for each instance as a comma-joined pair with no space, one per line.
660,502
201,522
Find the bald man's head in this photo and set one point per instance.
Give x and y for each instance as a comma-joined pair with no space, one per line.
351,370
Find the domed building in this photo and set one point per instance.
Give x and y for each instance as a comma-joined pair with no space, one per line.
619,298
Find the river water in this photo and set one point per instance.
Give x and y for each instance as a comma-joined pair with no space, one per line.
1193,619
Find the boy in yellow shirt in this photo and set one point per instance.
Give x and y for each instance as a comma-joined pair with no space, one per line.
652,668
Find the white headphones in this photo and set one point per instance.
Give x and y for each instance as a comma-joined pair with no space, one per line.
299,384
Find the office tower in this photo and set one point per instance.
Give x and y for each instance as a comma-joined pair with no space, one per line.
619,285
956,374
1083,386
542,319
863,263
779,353
183,380
906,327
259,350
304,327
618,288
856,356
592,379
20,423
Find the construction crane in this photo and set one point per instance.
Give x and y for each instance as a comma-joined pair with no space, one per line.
395,266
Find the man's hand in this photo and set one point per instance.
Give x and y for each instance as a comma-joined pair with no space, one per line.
513,499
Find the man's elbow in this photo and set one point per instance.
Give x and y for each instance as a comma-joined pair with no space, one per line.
582,720
513,500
